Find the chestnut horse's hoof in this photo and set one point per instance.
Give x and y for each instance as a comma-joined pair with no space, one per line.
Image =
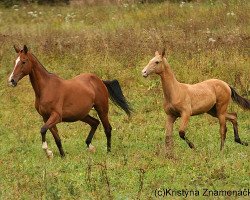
91,148
49,154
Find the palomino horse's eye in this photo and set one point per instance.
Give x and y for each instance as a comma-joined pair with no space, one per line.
157,62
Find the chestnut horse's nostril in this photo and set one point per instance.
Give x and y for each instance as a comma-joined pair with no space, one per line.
13,82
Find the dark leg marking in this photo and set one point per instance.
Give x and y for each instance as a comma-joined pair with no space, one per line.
43,133
57,139
182,135
237,137
232,117
94,124
108,130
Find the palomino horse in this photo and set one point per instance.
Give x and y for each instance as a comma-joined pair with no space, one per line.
183,100
58,100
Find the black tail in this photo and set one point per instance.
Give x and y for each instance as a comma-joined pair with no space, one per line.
117,96
241,101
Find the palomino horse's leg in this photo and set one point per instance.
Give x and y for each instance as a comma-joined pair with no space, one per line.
169,135
94,124
232,117
52,121
184,121
223,129
54,132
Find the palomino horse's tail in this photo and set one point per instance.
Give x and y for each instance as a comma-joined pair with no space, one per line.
241,101
117,96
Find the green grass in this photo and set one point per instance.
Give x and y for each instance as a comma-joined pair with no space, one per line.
117,42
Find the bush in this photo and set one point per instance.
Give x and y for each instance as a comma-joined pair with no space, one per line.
9,3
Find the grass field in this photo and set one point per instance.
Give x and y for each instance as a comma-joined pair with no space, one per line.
204,40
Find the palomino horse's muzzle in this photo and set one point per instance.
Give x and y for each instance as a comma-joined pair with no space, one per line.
144,73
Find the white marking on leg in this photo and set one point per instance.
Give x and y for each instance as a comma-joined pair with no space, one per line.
47,151
17,61
45,145
91,148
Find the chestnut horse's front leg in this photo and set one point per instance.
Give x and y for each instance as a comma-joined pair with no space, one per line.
51,122
57,138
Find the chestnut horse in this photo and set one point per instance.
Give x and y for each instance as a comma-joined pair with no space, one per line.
184,100
58,100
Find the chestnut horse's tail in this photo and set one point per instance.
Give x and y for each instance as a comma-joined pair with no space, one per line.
241,101
117,96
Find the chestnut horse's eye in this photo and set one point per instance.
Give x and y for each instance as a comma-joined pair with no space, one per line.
23,62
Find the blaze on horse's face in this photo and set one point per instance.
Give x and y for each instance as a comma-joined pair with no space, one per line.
22,66
154,65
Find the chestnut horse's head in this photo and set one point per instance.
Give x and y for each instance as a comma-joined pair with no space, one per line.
22,66
155,64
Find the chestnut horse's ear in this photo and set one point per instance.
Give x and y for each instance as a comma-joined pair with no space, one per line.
25,49
16,49
163,53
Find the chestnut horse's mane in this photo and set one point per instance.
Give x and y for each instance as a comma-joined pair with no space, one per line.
40,63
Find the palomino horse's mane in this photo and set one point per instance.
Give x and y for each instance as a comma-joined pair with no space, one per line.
40,63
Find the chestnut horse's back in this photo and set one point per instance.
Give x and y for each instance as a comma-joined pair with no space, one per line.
105,89
90,82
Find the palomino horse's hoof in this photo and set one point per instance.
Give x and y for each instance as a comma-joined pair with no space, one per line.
244,143
91,148
170,156
191,145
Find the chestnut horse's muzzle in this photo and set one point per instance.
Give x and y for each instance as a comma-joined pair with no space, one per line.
13,83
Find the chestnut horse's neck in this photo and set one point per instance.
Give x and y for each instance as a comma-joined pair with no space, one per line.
38,76
169,82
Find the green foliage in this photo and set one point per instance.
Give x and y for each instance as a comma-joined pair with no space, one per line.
203,40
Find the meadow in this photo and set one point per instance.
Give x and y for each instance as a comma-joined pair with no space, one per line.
206,39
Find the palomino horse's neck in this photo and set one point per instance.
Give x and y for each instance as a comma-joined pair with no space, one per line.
169,82
38,76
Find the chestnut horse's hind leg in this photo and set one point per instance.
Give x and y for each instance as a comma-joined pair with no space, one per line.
54,132
106,125
184,121
107,129
232,117
94,124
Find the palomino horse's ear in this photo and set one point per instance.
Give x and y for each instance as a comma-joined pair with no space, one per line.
16,49
25,49
163,53
157,53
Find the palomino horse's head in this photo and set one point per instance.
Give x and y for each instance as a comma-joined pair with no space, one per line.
155,64
22,66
